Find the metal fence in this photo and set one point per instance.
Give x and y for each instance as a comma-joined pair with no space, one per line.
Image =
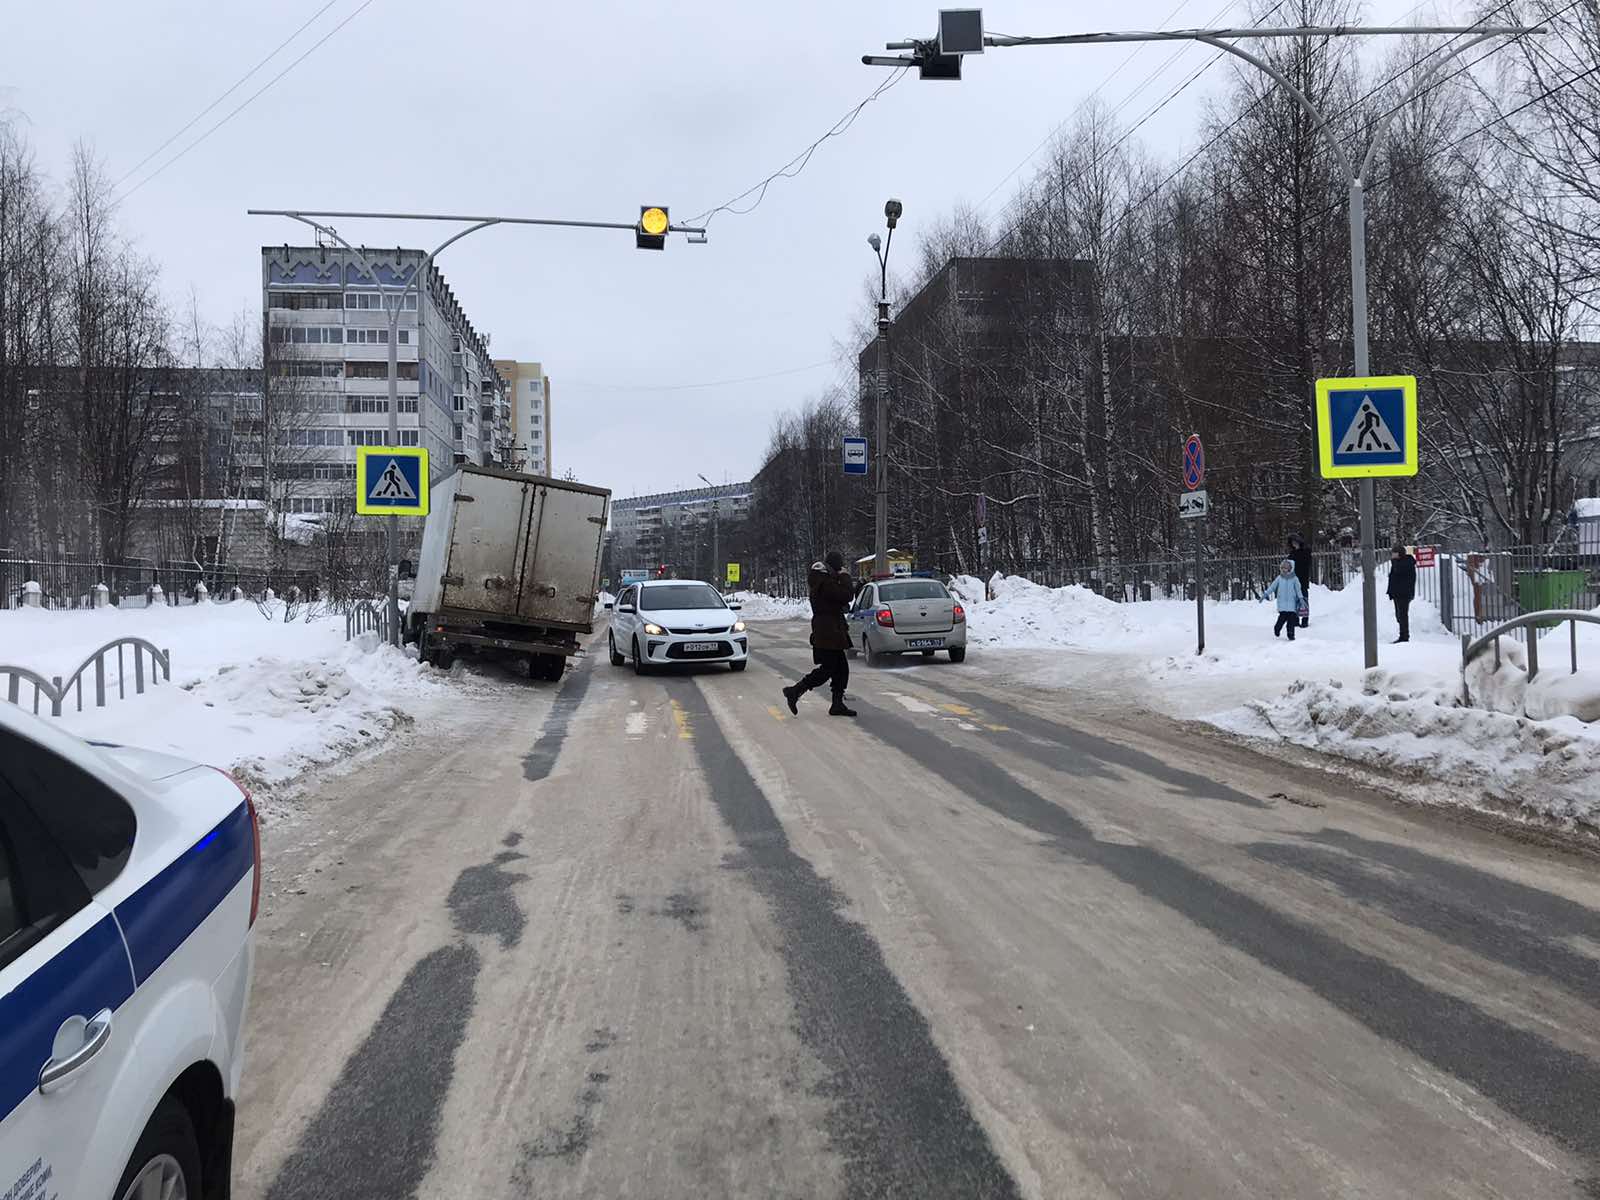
71,583
55,692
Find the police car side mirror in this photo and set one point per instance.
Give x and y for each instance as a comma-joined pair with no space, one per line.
627,608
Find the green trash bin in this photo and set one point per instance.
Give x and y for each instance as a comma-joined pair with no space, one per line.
1541,590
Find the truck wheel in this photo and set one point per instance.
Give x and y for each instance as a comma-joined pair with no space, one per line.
442,656
616,659
640,667
166,1159
554,667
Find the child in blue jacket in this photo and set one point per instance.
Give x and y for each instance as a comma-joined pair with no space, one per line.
1291,597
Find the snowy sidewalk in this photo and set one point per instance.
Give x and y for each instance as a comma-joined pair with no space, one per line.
261,697
1403,719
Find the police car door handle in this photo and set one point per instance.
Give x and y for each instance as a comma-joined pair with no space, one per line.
95,1035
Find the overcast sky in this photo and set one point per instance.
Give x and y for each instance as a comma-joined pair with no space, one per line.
584,110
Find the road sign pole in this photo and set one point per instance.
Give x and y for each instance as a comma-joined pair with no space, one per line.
1358,327
1199,592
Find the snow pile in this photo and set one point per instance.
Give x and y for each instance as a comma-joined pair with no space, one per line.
967,588
1408,726
263,697
756,606
1026,615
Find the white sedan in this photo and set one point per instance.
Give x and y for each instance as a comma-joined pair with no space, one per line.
672,622
129,882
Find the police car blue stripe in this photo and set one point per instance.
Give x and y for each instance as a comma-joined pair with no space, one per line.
159,916
89,974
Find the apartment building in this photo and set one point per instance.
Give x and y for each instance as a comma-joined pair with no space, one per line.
670,527
529,388
327,325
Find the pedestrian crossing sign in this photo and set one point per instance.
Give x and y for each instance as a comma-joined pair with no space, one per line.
392,481
1367,428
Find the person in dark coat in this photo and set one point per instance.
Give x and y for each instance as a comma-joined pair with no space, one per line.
1300,555
1402,589
831,592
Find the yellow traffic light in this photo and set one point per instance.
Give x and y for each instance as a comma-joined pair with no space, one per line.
651,233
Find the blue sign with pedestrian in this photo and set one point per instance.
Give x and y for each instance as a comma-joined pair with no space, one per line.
855,456
392,481
1367,427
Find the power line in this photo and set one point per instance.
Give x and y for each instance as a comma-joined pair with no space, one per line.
685,387
237,84
798,163
251,99
1101,86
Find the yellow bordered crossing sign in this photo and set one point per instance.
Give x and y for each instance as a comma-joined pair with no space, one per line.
1367,428
392,481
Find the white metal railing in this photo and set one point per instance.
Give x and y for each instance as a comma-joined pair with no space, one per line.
56,691
1471,647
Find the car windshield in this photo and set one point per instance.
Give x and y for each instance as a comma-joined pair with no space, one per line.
680,595
921,589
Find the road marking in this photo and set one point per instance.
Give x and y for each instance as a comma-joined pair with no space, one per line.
636,723
681,718
912,704
960,710
998,728
776,715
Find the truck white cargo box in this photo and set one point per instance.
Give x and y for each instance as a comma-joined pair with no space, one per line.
500,546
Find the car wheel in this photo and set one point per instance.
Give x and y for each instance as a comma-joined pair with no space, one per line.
616,659
165,1160
639,665
867,652
739,666
958,653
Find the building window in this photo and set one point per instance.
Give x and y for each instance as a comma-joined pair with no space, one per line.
458,430
303,300
378,370
405,337
374,301
533,386
458,403
367,337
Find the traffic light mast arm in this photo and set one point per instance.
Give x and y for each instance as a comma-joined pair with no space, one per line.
299,213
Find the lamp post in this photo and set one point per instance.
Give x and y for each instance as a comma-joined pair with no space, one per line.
716,556
880,528
924,52
659,227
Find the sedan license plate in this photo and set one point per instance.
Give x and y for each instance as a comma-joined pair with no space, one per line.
699,647
924,643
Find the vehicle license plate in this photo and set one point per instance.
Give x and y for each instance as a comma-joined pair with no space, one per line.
699,647
924,643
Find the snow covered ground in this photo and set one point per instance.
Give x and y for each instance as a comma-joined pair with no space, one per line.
757,607
1519,748
261,697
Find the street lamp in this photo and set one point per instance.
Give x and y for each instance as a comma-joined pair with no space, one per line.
880,529
715,546
957,26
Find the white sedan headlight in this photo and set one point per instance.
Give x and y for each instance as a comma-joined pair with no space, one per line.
653,630
738,626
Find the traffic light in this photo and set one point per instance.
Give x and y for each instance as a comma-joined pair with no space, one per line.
661,570
651,232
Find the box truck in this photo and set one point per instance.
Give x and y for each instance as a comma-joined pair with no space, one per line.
508,567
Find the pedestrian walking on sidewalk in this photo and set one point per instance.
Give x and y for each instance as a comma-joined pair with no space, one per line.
1402,589
831,593
1290,596
1303,569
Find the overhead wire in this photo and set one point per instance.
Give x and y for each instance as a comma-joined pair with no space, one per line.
253,97
237,84
798,163
1100,87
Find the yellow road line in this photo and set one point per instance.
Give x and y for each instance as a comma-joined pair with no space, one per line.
960,710
998,728
776,714
681,718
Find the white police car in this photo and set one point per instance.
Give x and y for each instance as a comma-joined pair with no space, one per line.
129,882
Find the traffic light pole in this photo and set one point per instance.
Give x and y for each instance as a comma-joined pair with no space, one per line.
1223,39
474,224
880,526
